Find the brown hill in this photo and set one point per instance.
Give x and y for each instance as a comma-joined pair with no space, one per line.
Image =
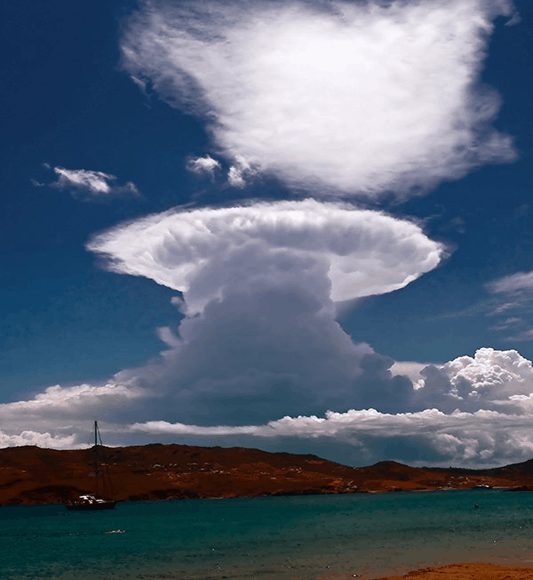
31,475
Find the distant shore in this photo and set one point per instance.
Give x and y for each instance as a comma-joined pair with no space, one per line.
32,475
470,571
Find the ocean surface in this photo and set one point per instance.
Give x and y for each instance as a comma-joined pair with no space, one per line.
279,537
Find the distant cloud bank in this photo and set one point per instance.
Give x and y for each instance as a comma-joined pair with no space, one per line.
496,429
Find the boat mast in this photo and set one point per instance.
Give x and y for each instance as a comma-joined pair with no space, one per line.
96,466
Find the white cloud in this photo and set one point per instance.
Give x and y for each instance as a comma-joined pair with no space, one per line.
65,412
427,436
489,368
484,381
495,429
410,369
91,184
240,172
203,252
73,399
39,439
469,411
235,178
514,283
259,283
340,97
167,336
165,428
206,165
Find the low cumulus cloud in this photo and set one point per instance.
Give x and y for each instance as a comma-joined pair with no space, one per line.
487,380
65,412
430,436
496,428
60,415
338,97
38,439
90,185
469,411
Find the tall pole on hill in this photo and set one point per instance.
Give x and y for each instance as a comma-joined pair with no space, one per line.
96,458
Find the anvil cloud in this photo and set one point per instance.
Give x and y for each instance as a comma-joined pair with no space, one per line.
355,253
340,97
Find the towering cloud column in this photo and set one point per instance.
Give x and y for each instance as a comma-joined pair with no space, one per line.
259,282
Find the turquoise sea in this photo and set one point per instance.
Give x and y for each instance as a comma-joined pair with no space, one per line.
279,537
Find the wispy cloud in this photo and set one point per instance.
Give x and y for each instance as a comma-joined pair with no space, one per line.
337,98
203,165
514,301
521,336
518,283
89,184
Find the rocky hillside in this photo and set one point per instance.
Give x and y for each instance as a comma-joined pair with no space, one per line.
30,475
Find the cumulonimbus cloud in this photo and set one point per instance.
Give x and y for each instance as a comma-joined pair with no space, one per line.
338,97
203,251
259,285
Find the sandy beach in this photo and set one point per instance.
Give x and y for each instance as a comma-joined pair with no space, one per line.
471,571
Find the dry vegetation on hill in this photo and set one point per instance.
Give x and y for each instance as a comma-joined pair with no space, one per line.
30,475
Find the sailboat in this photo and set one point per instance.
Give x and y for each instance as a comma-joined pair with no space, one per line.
102,488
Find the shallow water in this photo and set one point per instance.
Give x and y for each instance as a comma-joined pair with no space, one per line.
280,537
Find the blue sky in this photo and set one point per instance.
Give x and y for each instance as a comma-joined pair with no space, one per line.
68,101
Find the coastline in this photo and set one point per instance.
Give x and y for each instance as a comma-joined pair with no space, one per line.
33,475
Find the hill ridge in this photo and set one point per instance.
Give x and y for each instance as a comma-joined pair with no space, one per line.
35,475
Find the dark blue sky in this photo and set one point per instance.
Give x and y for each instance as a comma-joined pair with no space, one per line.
65,101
